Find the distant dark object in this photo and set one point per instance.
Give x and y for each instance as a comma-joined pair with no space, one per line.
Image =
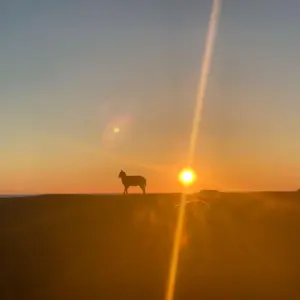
135,180
209,193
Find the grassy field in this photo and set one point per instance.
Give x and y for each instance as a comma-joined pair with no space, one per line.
241,246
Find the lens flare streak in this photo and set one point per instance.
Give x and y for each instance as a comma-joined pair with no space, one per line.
206,62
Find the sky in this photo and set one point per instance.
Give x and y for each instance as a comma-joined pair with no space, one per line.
72,71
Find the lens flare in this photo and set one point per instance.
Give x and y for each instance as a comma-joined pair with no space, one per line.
116,129
208,51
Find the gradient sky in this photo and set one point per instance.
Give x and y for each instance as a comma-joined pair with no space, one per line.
72,70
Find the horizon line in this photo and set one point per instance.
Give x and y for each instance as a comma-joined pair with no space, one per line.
153,193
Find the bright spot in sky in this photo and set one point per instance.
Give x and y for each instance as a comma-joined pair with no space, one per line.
187,176
116,129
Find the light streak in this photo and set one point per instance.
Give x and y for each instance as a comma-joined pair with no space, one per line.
206,62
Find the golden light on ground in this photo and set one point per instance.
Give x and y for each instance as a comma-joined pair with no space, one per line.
116,129
187,176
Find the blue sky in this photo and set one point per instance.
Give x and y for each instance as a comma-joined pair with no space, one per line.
71,69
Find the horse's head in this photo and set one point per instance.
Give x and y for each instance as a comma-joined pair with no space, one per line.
122,174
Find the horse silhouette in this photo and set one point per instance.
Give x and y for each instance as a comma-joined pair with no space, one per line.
133,180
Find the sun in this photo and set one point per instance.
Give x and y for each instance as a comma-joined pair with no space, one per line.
187,176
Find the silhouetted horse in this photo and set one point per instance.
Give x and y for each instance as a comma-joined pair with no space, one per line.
135,180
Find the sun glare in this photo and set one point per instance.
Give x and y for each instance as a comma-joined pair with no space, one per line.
187,176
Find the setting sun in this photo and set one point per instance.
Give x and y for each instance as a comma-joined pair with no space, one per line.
187,176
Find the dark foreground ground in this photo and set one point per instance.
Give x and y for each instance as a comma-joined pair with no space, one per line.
244,246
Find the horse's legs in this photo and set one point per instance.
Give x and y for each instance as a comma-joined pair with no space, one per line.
125,190
143,188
